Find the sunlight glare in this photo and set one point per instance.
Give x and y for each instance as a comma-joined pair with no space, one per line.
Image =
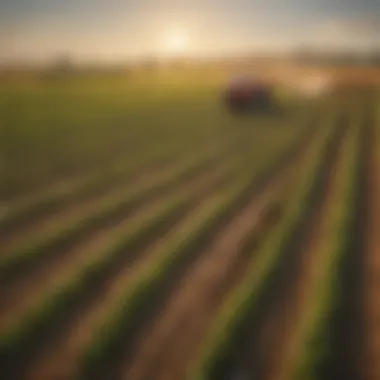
176,42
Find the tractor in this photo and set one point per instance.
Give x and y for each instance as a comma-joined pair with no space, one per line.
249,94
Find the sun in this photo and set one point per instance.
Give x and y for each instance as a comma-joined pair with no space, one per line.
176,42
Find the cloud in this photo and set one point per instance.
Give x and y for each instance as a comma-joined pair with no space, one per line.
368,26
345,33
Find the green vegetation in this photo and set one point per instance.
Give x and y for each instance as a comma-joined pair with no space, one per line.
82,125
151,167
317,349
173,256
222,339
118,203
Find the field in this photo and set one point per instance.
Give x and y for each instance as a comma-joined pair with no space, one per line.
147,234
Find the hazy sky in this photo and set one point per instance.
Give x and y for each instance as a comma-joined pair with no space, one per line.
111,29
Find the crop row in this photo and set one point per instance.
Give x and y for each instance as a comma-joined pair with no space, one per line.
20,339
23,336
219,347
156,155
120,282
317,351
112,208
176,255
195,187
121,172
98,244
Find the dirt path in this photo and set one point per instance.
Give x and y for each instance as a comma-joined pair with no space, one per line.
267,345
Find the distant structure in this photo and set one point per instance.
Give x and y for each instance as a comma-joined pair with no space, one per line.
62,66
247,93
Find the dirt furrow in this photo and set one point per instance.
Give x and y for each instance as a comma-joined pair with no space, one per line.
20,296
372,264
53,223
348,326
265,340
372,267
60,246
34,198
61,350
311,274
21,221
187,308
145,317
165,347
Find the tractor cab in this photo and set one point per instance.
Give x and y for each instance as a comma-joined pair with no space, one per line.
248,93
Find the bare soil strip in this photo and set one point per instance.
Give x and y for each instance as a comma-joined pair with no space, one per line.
18,238
21,204
172,327
21,296
347,330
311,273
372,265
60,350
371,261
165,348
70,195
264,338
61,245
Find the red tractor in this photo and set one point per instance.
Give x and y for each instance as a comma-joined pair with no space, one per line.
245,94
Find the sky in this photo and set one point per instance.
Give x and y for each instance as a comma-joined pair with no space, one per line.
120,29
